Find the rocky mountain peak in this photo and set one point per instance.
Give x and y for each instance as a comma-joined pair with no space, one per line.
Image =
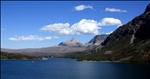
72,42
147,8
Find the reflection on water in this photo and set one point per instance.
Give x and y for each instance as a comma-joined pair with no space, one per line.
60,68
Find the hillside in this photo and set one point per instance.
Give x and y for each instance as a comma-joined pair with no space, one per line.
55,51
5,55
129,43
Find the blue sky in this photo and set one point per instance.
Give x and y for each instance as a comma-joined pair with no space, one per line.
35,24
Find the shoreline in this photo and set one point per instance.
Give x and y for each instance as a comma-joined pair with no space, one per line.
83,61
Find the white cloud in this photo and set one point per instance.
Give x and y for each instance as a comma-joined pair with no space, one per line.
58,28
30,37
110,22
114,10
84,26
82,7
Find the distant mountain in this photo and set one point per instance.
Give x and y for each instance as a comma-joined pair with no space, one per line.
55,51
128,43
97,40
69,46
71,43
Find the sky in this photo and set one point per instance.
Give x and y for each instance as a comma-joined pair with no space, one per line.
36,24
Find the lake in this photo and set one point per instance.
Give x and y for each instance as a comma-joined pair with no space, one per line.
62,68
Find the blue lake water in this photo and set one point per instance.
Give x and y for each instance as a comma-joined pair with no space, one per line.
61,68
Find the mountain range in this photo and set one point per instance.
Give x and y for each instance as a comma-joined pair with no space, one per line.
69,46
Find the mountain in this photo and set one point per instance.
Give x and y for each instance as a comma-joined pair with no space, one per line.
97,40
69,46
54,51
60,50
128,43
71,43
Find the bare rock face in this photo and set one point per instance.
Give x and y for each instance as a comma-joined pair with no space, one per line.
71,43
97,40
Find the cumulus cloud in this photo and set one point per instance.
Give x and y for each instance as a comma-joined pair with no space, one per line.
114,10
58,28
110,22
82,7
31,37
84,26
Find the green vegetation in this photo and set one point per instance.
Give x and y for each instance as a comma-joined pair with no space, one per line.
5,55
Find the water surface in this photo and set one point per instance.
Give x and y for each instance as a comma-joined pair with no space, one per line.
61,68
